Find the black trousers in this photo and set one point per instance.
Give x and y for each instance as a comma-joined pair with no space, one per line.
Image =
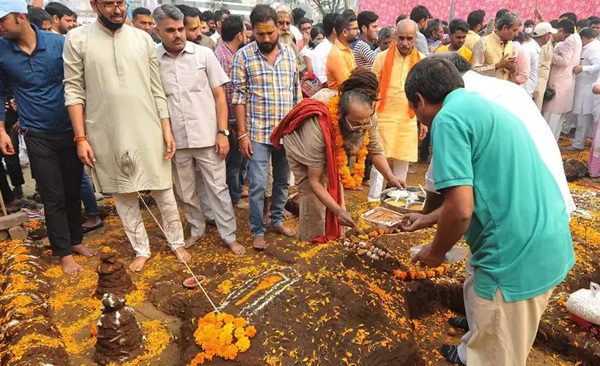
424,148
13,165
58,171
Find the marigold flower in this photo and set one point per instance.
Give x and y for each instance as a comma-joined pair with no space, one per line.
251,331
243,344
239,322
239,333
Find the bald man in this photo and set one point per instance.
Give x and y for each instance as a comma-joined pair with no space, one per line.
397,122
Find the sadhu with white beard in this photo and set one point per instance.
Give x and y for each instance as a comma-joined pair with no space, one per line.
284,24
319,134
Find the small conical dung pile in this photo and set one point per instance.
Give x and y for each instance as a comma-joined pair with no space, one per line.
112,276
120,337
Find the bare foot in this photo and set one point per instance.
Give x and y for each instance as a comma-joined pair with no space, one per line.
69,266
81,249
260,243
137,264
182,254
285,231
191,241
287,214
237,248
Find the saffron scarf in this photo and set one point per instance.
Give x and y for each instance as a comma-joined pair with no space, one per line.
386,74
307,109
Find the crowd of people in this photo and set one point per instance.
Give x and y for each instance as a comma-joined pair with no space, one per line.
191,105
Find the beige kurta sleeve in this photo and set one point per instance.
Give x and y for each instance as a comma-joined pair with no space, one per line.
374,147
73,68
160,99
479,60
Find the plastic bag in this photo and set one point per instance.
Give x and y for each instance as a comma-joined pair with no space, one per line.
586,303
455,254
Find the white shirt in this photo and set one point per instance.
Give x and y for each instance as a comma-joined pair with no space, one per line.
296,32
515,99
533,49
215,37
306,51
319,59
583,102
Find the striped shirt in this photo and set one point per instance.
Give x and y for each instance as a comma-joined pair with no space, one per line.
225,56
268,91
363,54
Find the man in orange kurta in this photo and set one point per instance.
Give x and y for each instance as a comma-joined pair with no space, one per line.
340,61
397,122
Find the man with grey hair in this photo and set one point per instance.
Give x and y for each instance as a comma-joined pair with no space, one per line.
384,39
120,117
198,110
494,54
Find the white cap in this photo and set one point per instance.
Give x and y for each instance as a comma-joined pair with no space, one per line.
542,29
12,6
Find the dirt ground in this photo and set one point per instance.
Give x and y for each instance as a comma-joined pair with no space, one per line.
327,306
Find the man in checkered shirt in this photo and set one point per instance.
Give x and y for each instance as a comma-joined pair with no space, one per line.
266,88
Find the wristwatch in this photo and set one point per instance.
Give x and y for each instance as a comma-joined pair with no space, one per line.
224,132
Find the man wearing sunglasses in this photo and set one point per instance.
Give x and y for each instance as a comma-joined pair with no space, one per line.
120,116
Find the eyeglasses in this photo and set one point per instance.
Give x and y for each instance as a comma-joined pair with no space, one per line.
113,5
363,125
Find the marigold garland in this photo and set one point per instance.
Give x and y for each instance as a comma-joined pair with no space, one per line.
221,335
354,180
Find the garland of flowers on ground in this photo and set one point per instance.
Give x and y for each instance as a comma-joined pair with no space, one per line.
354,180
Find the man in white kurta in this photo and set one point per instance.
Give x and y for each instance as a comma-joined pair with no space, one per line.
112,78
587,73
198,109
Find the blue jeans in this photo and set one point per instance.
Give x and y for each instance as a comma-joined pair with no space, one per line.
88,197
237,167
258,174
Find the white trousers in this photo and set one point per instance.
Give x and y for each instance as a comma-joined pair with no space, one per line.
400,170
128,208
468,297
555,121
203,171
585,123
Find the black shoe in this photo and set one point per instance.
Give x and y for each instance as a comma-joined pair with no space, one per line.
211,223
459,322
450,353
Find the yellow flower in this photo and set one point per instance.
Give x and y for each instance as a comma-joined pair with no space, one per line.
239,333
243,344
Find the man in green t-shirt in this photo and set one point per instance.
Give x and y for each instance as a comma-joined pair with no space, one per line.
498,193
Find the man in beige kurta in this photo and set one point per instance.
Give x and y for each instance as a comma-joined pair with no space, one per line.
494,55
112,78
544,64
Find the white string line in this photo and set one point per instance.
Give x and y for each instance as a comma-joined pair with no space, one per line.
175,250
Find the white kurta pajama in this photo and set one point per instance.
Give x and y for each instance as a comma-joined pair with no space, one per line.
116,78
583,103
